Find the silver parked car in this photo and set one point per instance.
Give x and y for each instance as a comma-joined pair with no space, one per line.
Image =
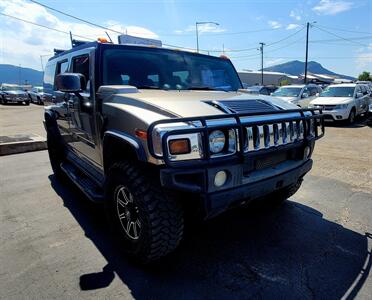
36,95
299,94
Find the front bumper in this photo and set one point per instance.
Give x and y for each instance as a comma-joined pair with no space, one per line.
16,99
245,182
336,114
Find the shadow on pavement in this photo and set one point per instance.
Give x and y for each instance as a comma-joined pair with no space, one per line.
360,121
259,252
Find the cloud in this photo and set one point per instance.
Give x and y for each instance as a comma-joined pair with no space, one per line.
295,16
202,28
331,7
26,42
292,26
274,24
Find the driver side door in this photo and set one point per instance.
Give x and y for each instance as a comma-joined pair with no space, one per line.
81,107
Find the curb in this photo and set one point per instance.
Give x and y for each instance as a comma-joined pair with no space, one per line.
21,143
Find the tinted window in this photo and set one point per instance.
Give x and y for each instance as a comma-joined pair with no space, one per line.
80,65
49,76
62,67
163,69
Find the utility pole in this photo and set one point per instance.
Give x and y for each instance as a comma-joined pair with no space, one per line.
307,50
261,49
41,61
19,75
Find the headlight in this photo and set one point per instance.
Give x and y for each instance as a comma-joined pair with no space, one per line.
217,141
341,106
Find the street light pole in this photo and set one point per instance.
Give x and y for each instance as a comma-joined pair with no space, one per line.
197,32
261,49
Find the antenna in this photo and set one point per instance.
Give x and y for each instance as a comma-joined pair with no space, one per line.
72,43
108,36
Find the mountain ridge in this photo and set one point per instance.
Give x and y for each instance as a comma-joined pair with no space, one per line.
20,75
296,67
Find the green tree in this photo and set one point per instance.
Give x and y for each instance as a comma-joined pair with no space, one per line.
284,82
365,76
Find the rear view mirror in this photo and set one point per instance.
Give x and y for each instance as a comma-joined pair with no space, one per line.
358,95
70,82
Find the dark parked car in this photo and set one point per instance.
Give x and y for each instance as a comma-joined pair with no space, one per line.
13,94
262,90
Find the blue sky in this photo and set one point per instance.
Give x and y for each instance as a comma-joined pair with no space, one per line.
341,38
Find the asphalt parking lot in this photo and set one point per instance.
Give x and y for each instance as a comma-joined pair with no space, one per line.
55,244
21,119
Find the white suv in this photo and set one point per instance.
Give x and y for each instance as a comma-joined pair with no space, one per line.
343,101
299,94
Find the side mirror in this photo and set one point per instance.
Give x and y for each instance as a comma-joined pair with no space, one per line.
358,95
305,95
70,82
317,94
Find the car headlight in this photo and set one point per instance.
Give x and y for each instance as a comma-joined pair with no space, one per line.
341,106
217,141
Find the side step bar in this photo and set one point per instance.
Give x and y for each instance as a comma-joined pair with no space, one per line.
88,186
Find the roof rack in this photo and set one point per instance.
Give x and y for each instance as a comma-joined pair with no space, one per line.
58,51
76,43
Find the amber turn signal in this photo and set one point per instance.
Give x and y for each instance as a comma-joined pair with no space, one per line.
179,146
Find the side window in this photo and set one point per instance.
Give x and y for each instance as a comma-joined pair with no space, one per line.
62,67
80,64
357,90
49,73
313,91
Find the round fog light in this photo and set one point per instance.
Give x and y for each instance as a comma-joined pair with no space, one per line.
307,152
220,178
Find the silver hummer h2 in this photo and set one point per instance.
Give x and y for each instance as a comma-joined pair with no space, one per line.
153,132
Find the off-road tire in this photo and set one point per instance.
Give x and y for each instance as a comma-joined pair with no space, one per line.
56,156
161,217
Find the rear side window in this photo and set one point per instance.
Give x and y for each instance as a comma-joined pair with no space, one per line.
80,64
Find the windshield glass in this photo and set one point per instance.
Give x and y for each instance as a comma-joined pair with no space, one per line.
169,70
11,88
287,92
338,91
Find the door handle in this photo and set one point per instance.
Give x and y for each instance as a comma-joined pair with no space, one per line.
70,103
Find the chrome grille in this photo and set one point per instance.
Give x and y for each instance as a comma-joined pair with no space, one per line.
266,136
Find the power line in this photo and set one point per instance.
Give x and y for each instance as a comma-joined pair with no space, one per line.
287,37
43,26
74,17
345,30
340,37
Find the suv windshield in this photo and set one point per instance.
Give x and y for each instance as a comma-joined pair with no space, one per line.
169,70
11,88
287,92
338,91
